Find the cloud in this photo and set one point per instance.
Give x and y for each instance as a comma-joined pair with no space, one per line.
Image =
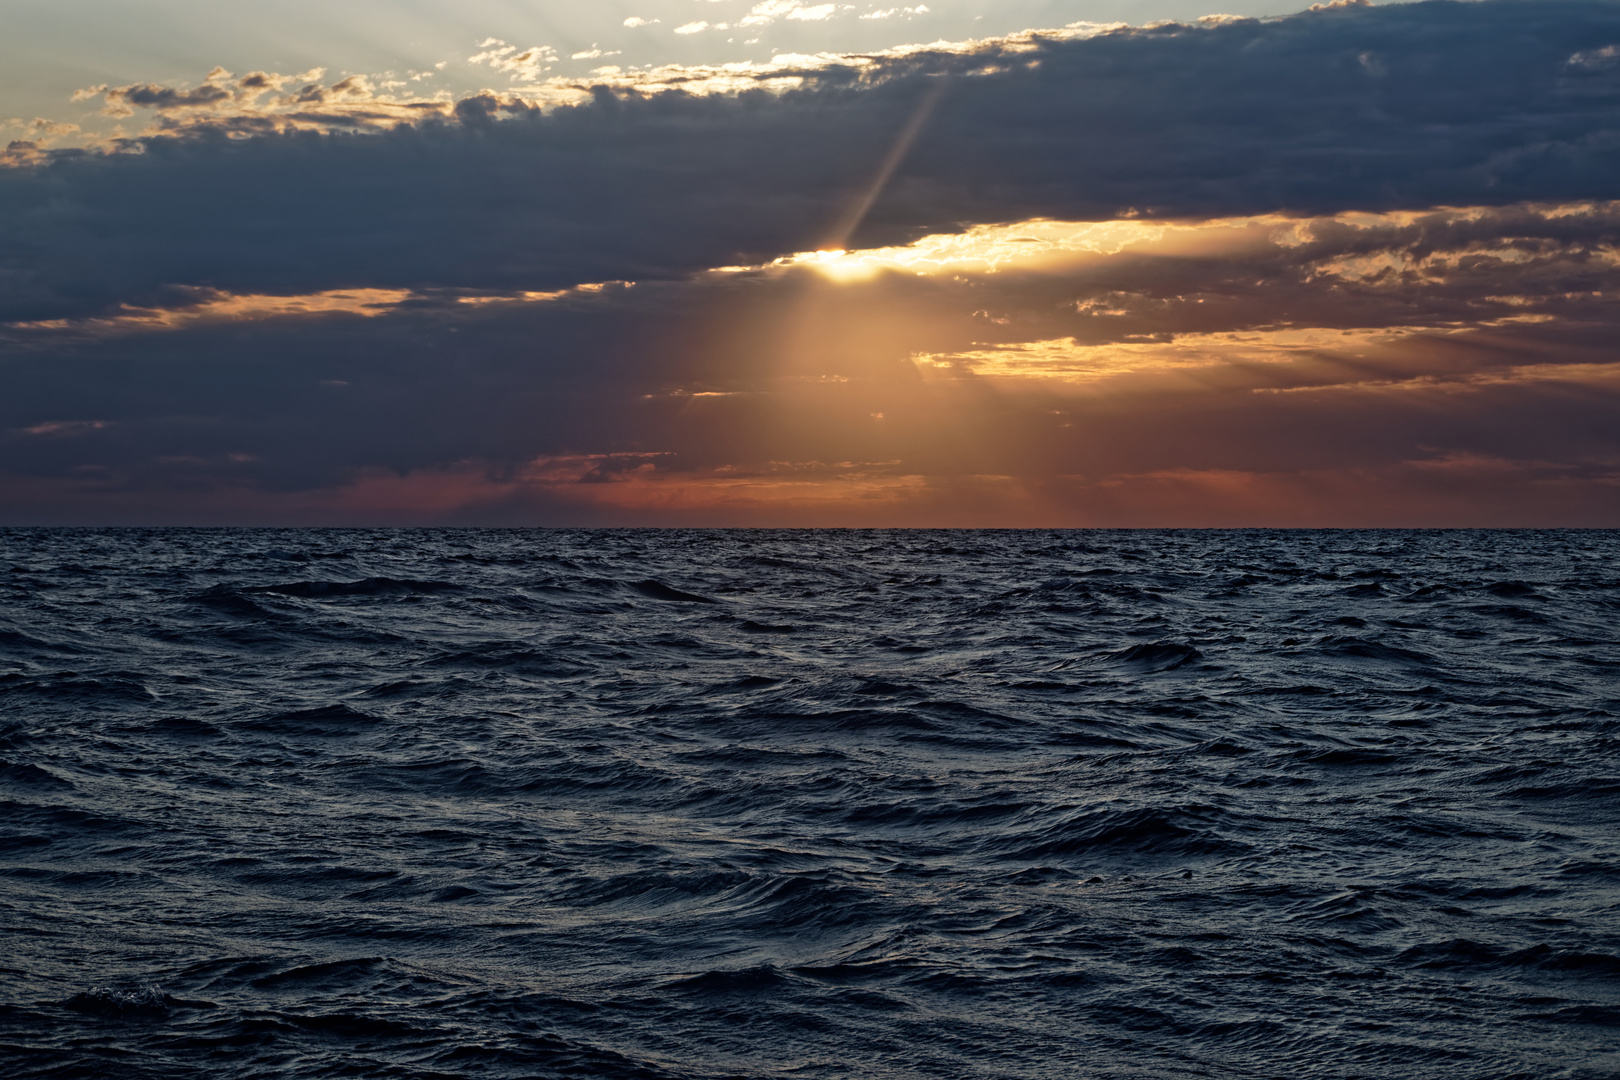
523,65
259,103
499,191
769,11
63,428
43,132
121,101
1598,59
1355,266
890,13
207,305
1452,366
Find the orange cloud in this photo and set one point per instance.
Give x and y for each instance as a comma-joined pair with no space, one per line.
1450,366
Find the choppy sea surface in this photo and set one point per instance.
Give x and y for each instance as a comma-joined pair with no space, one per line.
810,804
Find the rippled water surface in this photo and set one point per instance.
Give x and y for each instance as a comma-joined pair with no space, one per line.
697,804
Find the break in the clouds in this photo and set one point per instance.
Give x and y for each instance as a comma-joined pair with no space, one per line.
1352,266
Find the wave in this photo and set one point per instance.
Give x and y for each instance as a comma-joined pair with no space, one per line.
373,586
24,774
700,805
324,721
18,643
1356,648
1463,953
1512,589
657,590
103,1000
1156,656
1184,831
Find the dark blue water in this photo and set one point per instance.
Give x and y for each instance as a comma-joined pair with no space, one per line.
809,804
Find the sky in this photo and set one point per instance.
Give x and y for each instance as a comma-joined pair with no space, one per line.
739,263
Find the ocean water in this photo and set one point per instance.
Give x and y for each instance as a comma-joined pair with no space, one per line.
726,804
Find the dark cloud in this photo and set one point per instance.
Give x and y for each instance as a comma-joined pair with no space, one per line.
350,308
162,97
1347,107
1447,367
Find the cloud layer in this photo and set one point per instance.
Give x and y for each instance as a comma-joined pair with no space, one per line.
1349,108
1357,369
1351,267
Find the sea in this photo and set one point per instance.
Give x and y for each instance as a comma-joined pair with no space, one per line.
880,805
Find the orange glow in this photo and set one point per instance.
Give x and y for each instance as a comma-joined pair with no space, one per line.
229,307
1242,371
1046,245
223,307
1067,361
